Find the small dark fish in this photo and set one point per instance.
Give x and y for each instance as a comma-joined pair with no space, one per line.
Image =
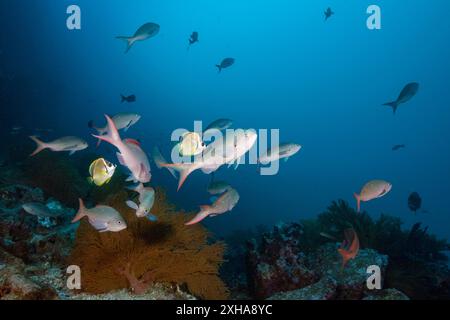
408,92
398,147
128,99
328,14
194,38
414,202
227,62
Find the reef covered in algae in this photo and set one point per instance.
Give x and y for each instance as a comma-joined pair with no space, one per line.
301,261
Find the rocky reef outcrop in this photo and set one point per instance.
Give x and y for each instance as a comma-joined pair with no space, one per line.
280,268
278,264
31,247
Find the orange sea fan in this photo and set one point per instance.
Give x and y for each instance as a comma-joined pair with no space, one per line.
165,251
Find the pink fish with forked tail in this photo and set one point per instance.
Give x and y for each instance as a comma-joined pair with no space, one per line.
224,203
372,190
130,153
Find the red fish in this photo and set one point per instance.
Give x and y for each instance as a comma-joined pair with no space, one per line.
350,246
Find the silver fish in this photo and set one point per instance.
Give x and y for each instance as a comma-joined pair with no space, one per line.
145,32
71,144
102,218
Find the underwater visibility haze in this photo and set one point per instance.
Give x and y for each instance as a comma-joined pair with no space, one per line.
117,149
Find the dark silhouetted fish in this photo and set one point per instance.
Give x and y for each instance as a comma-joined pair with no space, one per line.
408,92
414,202
128,99
398,147
328,14
227,62
194,38
145,32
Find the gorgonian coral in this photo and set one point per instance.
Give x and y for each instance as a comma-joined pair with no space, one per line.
147,252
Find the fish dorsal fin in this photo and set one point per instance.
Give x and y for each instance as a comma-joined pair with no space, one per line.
133,141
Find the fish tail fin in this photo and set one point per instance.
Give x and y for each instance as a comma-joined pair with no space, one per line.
219,67
184,169
204,212
130,41
393,104
358,201
40,145
81,211
112,135
123,98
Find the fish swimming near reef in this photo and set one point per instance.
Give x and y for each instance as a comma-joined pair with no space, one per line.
226,63
398,147
144,32
328,13
121,121
372,190
283,151
350,247
159,160
146,201
129,99
190,144
414,202
218,187
101,172
39,210
217,153
130,153
102,218
219,124
69,144
224,203
408,92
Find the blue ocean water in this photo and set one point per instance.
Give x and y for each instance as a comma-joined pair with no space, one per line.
321,83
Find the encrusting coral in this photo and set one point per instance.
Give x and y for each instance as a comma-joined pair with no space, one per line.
148,252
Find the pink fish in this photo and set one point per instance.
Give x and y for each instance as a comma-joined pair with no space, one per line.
130,153
224,203
350,247
372,190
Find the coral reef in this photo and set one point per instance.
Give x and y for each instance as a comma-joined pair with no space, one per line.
15,284
32,238
325,289
291,257
57,176
278,264
147,252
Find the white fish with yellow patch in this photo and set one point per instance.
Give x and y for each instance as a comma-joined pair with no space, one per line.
101,172
190,144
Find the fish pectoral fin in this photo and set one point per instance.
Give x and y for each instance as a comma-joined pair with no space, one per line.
132,204
72,152
103,230
131,178
382,193
286,159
